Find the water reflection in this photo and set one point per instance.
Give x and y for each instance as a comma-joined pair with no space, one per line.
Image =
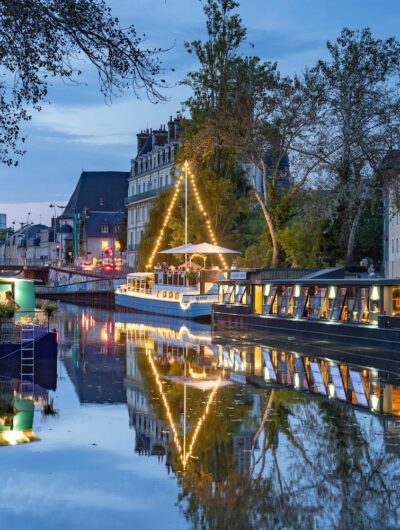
279,457
311,441
93,354
19,399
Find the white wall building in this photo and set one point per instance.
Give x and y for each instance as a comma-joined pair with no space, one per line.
393,245
151,172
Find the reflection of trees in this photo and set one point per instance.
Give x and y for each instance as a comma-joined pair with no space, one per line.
314,463
213,446
319,465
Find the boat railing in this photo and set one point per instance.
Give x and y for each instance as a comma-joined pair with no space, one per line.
176,278
128,288
14,328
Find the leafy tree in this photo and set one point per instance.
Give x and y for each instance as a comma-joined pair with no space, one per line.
43,39
211,135
277,119
357,95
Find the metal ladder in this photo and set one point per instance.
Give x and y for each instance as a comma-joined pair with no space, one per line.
27,360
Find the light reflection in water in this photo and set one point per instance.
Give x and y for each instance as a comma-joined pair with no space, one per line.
313,442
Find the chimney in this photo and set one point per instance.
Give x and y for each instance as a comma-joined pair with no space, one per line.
160,137
177,127
171,130
142,138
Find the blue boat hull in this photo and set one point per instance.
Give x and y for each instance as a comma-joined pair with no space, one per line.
172,308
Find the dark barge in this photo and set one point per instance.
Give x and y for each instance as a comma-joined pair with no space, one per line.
324,305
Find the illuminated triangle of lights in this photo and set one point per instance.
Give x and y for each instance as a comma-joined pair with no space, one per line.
200,421
170,209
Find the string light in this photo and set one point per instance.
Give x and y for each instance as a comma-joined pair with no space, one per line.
200,422
164,399
202,210
165,223
205,215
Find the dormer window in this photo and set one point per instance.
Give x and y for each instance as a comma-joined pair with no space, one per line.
101,201
105,229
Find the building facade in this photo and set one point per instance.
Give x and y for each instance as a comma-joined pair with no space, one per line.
151,172
90,227
23,247
393,245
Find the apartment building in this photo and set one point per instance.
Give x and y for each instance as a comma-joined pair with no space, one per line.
151,172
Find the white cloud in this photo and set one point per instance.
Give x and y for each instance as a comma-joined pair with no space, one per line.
101,124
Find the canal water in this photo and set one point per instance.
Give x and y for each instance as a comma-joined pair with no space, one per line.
147,423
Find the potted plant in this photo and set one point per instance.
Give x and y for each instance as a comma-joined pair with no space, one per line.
6,314
191,277
49,309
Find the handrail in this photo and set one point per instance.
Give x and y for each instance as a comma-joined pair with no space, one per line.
12,329
141,196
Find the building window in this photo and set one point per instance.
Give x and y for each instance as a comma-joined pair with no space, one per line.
101,201
105,229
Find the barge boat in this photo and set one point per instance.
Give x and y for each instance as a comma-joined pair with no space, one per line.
328,304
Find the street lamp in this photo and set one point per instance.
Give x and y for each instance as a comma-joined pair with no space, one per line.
58,247
22,223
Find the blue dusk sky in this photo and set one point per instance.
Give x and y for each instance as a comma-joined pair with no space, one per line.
79,130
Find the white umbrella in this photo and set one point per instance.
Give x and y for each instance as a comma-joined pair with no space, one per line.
201,248
182,249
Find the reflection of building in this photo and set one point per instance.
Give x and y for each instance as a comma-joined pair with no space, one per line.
392,436
242,448
151,436
93,357
3,221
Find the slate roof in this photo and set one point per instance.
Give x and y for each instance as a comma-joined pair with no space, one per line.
95,220
98,191
21,236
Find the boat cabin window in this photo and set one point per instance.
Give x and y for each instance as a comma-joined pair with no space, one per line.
140,284
269,295
374,304
285,302
317,306
240,294
227,295
337,304
300,302
396,301
357,304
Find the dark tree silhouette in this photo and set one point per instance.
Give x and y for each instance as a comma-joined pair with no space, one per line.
44,39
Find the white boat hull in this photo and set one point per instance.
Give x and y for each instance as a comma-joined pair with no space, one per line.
173,308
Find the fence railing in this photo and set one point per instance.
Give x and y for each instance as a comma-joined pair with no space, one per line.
15,329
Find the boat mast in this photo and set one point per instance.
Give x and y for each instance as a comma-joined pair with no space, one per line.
186,165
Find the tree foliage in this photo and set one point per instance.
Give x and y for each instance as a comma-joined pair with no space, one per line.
44,39
356,91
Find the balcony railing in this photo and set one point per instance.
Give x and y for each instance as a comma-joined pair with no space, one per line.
141,196
12,330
